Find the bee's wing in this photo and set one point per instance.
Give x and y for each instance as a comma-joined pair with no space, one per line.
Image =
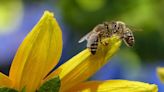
134,29
84,38
92,39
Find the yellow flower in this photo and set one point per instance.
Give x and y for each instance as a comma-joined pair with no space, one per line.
40,52
160,72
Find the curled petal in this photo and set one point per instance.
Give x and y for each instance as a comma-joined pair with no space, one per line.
114,86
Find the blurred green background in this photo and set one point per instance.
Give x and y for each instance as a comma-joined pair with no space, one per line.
78,17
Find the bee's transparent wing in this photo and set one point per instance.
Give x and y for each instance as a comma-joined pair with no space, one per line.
83,38
134,29
92,39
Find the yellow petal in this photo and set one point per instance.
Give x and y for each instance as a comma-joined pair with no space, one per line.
160,72
5,81
38,54
84,65
114,86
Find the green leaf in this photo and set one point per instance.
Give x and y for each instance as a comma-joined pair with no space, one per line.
51,85
5,89
23,89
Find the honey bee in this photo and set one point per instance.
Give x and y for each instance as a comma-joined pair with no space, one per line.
105,30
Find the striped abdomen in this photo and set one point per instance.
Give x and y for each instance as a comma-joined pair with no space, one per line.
93,47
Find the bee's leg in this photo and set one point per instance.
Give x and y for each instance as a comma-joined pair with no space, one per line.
104,41
107,36
100,38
